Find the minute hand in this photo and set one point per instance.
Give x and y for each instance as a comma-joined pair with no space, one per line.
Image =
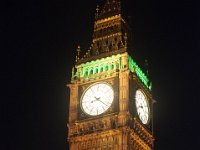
103,102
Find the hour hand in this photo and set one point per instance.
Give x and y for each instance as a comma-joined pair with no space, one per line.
141,106
97,98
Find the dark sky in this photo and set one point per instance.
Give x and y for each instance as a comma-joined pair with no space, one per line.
38,51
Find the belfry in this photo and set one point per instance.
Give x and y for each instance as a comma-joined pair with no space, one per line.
111,101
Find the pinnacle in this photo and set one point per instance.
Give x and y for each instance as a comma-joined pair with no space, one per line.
111,7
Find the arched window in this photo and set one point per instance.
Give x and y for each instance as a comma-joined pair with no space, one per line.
101,70
106,68
91,71
86,73
112,66
96,70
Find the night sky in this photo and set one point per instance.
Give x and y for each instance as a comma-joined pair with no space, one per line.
39,41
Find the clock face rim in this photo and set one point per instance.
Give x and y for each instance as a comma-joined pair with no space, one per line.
147,105
89,87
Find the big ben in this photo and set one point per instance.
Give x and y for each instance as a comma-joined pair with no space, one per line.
111,101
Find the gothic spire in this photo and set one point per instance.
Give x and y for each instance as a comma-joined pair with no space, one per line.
97,12
78,53
111,8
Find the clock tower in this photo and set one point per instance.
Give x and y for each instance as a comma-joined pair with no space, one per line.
110,96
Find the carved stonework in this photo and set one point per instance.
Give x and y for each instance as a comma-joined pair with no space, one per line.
119,126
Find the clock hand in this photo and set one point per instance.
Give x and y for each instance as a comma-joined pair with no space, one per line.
103,103
97,111
141,106
91,110
96,99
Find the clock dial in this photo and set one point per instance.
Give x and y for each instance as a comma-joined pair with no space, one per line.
97,99
142,106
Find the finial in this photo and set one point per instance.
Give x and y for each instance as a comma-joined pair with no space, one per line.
125,39
119,5
89,51
150,87
78,53
97,12
72,73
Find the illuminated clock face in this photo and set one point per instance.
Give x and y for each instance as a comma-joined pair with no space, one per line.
142,106
97,99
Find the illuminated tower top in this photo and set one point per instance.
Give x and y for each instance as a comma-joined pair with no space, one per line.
111,8
111,38
110,33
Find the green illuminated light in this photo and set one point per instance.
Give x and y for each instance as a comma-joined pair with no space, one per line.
135,68
108,65
101,65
